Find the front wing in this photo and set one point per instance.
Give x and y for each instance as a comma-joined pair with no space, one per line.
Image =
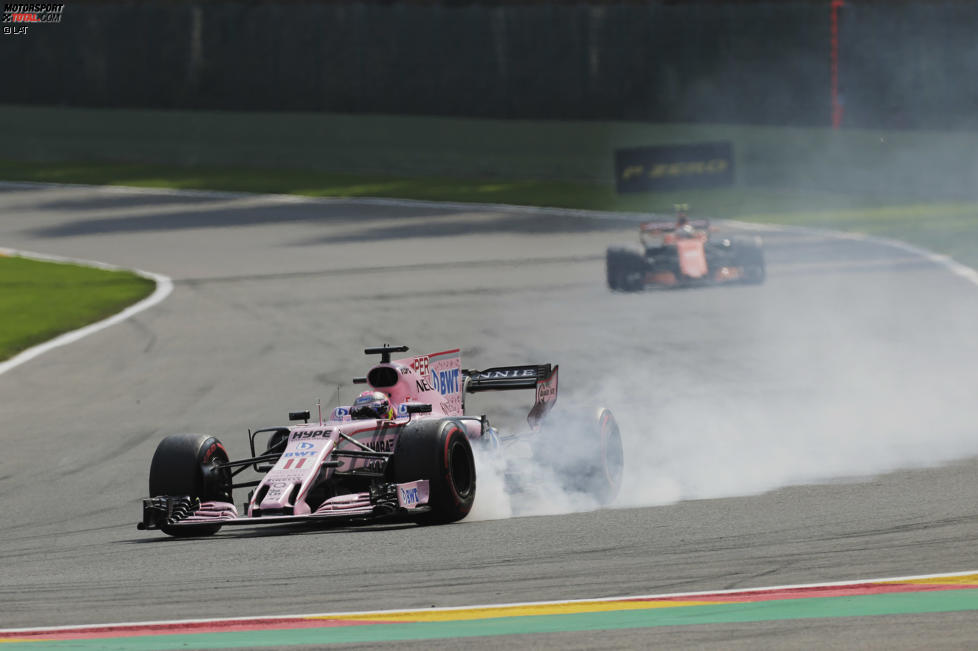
382,502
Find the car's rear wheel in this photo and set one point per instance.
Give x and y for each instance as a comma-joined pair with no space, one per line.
750,258
585,452
190,464
604,476
440,452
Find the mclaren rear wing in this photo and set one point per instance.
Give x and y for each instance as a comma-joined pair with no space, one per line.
670,226
541,377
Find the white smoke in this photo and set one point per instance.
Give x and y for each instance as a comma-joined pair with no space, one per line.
492,499
512,482
847,389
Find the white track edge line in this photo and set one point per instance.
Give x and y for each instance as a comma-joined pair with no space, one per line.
490,607
948,263
164,285
952,265
367,201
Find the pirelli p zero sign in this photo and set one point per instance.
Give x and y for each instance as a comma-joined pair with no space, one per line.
674,167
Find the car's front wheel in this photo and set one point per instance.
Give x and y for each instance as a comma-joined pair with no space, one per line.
438,451
190,464
625,269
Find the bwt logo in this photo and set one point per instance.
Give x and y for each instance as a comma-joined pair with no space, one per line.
446,381
410,497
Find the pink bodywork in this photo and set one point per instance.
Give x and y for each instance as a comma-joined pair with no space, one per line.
434,380
426,379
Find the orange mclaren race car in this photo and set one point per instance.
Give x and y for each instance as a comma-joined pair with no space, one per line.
683,253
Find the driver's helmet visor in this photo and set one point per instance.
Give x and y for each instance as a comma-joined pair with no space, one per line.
371,409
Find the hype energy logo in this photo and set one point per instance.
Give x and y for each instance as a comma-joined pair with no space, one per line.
19,17
674,167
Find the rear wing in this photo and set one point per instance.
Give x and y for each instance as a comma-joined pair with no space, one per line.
505,378
670,226
541,377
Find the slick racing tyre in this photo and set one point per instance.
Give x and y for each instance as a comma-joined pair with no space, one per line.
625,269
440,452
750,258
187,464
584,450
603,476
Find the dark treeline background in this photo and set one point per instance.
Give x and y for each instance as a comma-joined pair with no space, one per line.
902,64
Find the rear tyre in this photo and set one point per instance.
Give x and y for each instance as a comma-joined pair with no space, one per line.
625,269
750,258
187,464
438,451
585,453
603,477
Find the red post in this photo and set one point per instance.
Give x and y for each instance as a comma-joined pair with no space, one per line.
834,62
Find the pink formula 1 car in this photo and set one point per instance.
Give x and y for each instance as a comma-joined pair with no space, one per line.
403,450
683,253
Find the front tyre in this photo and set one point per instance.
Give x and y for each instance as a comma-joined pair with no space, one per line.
438,451
625,268
190,464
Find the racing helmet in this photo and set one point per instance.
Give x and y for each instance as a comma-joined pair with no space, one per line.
682,216
372,404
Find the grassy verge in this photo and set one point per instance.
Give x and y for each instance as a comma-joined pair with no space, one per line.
850,160
948,227
40,300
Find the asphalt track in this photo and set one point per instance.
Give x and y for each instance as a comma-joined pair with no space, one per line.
766,427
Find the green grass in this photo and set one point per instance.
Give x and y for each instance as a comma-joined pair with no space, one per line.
849,160
40,300
946,227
